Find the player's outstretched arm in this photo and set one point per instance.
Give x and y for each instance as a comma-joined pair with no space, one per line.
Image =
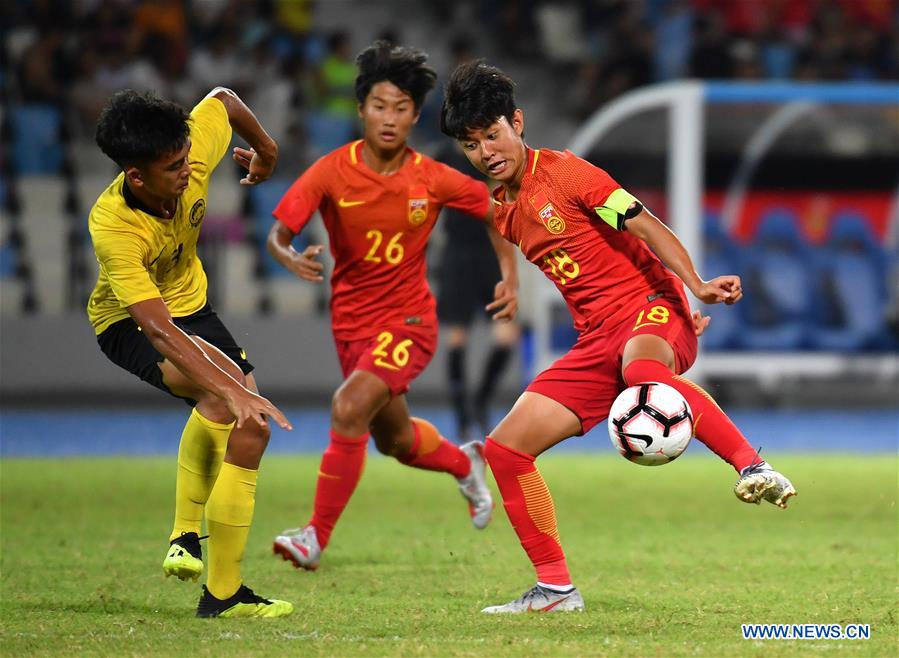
303,264
671,251
505,294
260,159
153,317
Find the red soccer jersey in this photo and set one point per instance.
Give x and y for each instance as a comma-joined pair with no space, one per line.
566,221
378,227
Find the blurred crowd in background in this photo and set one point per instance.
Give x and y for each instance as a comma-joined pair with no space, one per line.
292,61
274,53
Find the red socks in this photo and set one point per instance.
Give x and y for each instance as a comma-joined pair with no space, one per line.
339,473
343,462
432,452
710,424
529,506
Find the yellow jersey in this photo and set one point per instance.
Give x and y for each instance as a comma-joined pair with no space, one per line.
142,256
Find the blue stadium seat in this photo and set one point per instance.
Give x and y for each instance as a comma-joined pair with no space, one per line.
8,260
37,146
721,257
851,231
851,282
263,199
778,285
8,251
562,338
326,133
562,335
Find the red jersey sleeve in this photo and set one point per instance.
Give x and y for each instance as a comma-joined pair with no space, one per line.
600,195
303,198
456,190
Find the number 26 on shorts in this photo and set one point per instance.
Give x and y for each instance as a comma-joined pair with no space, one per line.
397,357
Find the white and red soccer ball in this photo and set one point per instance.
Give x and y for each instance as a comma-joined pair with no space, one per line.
650,424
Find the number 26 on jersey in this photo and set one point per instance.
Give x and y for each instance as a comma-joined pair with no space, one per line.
392,252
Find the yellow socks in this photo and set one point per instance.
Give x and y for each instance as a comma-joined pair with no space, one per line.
200,456
229,513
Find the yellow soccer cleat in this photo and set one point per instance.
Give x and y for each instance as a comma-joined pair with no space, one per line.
244,603
184,558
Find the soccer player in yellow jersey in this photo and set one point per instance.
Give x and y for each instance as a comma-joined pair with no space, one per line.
151,316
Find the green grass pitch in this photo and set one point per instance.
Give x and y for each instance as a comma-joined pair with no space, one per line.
669,563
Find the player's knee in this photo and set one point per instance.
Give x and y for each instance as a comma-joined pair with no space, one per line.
638,371
213,408
348,410
260,439
505,440
457,336
246,446
263,433
493,450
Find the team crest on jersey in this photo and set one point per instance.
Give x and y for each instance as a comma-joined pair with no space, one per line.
418,205
554,224
197,213
548,214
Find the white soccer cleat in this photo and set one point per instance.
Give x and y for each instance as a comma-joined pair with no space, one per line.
761,482
541,599
300,546
474,486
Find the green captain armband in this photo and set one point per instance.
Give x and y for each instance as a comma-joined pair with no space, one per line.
618,208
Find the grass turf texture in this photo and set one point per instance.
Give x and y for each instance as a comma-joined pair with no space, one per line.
669,562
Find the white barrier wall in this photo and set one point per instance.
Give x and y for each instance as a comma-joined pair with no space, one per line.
57,359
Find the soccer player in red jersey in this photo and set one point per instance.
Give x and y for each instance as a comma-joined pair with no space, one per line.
602,250
379,200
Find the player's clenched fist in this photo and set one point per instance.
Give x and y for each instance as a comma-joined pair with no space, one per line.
725,289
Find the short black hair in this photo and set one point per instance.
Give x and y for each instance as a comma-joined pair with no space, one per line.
137,128
475,97
405,67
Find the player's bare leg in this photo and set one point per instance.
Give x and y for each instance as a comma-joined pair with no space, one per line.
353,406
417,443
650,358
227,489
356,403
535,424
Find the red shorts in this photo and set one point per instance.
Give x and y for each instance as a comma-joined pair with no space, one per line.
397,354
588,378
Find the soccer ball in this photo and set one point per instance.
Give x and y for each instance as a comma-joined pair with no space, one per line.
650,424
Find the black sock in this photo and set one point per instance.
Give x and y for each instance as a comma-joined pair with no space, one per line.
456,373
493,372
